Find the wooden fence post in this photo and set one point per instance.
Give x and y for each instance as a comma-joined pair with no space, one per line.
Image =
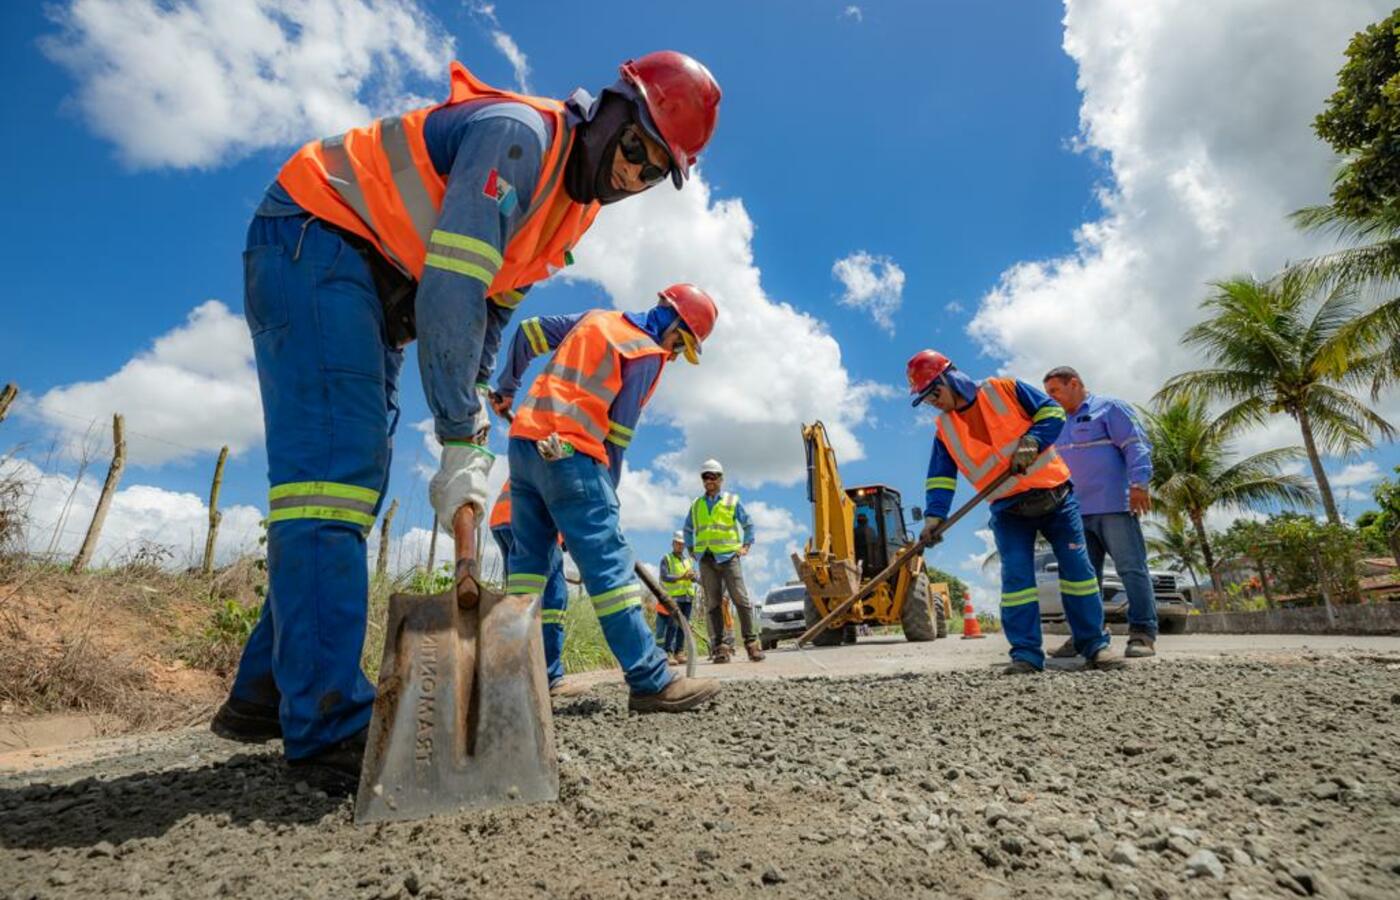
109,487
7,396
215,517
382,565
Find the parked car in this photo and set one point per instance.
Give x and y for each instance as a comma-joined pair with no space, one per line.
780,614
1169,589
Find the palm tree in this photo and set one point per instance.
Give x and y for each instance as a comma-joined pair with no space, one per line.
1192,471
1171,543
1290,344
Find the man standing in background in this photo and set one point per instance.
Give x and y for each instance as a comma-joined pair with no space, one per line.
1110,461
678,577
719,534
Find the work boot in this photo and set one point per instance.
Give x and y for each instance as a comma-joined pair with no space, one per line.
1106,659
1019,667
1065,650
681,695
670,659
565,688
247,723
722,654
337,766
681,658
755,651
1140,645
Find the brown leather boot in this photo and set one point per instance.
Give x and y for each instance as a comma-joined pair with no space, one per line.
1140,645
565,688
1065,650
755,651
681,657
681,695
1107,659
722,654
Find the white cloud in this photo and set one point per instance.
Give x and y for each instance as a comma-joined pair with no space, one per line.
872,283
1356,474
59,508
203,83
953,307
854,13
194,390
1203,114
506,44
767,368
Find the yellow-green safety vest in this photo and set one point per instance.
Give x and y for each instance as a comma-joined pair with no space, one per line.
716,530
677,566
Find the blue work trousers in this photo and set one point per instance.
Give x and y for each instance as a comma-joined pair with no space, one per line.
330,406
574,496
1079,590
670,633
1120,536
555,603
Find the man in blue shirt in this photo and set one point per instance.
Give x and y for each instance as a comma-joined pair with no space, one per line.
1111,461
718,533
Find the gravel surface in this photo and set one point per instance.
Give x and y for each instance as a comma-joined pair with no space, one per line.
1179,779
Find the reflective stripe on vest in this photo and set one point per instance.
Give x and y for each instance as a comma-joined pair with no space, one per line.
1006,422
675,567
574,394
717,530
500,512
379,182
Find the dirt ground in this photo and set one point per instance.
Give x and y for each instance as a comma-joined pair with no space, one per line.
1239,778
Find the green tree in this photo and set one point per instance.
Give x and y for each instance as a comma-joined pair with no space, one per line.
1193,470
1362,123
1171,543
1287,345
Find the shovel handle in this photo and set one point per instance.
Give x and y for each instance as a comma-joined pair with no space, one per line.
464,541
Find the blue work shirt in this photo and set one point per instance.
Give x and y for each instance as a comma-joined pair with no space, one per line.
1107,451
741,517
538,335
1047,418
471,144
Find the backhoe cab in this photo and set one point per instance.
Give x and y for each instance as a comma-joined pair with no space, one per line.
856,533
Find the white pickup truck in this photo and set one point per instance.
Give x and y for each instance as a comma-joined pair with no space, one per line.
1172,604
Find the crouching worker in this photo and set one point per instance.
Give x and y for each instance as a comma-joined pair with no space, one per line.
566,447
982,431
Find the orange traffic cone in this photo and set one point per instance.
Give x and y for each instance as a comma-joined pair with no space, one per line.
970,627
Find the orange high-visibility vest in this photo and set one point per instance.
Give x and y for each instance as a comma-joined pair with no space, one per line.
379,183
500,512
575,392
1006,422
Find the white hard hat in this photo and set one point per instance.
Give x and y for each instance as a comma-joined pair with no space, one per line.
678,537
711,465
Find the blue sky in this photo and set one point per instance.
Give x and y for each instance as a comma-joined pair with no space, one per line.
1035,184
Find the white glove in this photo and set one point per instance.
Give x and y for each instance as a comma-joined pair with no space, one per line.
461,479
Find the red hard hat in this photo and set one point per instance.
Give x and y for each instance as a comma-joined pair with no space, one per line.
682,98
697,310
922,370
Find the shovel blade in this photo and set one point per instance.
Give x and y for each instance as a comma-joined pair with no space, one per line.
462,719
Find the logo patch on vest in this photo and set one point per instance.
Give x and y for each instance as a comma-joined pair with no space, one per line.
500,190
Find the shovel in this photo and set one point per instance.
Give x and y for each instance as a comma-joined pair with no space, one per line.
462,719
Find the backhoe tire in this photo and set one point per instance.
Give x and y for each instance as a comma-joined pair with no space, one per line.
829,638
917,617
940,618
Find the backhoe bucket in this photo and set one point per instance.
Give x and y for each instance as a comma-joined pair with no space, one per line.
462,719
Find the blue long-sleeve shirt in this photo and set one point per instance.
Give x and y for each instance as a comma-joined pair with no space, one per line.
539,335
1106,449
1047,419
741,518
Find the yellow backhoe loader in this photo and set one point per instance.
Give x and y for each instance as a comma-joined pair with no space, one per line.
856,533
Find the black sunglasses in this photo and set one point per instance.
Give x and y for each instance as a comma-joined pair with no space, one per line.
710,476
634,150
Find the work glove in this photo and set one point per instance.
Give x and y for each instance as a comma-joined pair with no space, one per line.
501,403
931,524
460,479
1024,457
